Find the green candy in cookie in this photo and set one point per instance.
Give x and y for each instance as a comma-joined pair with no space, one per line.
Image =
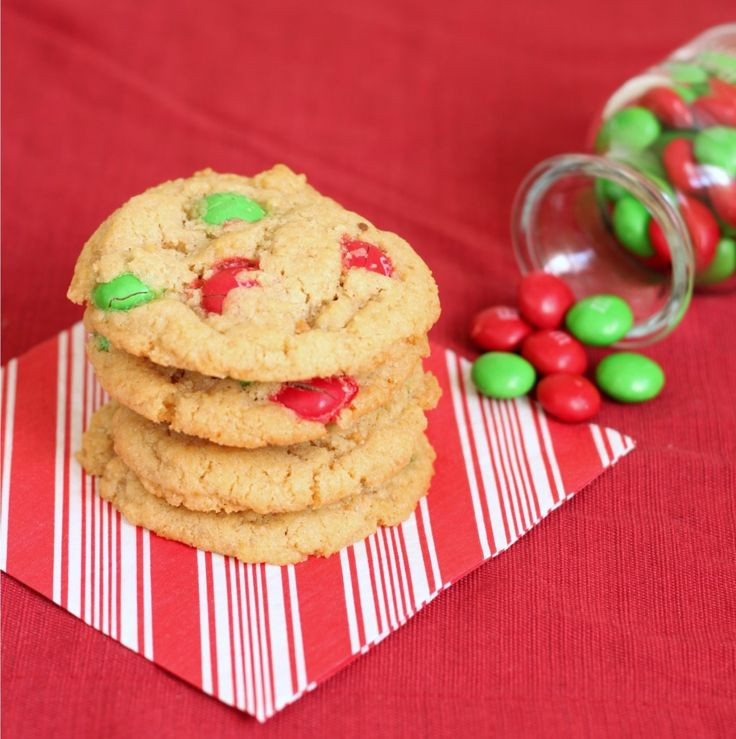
101,343
230,206
123,292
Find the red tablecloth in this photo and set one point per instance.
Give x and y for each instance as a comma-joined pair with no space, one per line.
424,116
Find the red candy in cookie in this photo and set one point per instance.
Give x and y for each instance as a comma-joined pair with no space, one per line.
668,106
499,329
320,399
360,254
544,299
554,351
682,169
569,398
224,279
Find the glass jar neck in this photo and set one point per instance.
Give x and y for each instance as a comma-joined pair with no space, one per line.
557,225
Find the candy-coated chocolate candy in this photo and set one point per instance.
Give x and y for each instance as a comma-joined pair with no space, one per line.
499,328
682,169
123,292
599,320
609,190
668,106
245,383
630,224
362,255
703,229
722,266
629,377
632,129
723,199
718,63
226,277
661,248
717,146
102,344
722,89
554,351
502,375
712,110
568,397
686,93
687,74
229,206
320,399
544,299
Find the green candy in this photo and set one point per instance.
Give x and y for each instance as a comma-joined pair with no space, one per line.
722,266
608,190
225,206
717,146
687,74
124,292
719,64
686,93
599,320
503,375
630,129
245,383
631,226
101,343
629,377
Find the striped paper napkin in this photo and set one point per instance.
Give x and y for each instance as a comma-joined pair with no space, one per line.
258,636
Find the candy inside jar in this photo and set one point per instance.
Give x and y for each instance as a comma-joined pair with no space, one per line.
653,212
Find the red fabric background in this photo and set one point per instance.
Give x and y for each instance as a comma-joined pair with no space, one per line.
616,616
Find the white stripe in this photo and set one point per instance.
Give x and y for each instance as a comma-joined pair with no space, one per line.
378,580
488,460
599,444
59,462
105,567
296,625
246,656
12,374
551,456
429,538
404,580
74,518
540,478
514,454
280,658
460,423
147,597
237,625
114,516
204,623
388,588
395,584
98,505
365,589
255,644
267,695
349,601
420,584
128,585
222,631
89,503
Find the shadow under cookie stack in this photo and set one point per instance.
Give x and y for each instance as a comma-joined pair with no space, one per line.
262,348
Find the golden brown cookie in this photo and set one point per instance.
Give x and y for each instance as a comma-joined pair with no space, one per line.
226,412
257,279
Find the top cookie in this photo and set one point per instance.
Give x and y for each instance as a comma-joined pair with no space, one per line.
259,279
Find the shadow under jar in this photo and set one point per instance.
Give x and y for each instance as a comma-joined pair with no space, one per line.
652,213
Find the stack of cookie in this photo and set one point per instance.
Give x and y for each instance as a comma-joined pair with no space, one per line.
262,348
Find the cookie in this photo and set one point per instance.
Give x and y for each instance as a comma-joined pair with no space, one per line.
257,279
255,415
280,538
203,476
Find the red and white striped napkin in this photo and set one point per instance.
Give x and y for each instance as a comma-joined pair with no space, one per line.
258,636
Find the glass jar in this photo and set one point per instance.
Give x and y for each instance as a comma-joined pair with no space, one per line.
652,212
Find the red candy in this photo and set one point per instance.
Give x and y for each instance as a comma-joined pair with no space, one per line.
703,229
569,398
499,329
668,106
544,299
552,352
320,399
723,199
224,279
682,169
714,111
662,256
360,254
